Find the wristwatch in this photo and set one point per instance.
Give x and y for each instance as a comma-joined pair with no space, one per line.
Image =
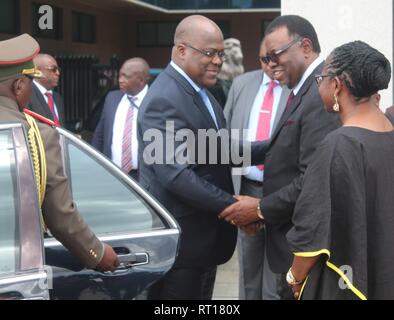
291,280
259,213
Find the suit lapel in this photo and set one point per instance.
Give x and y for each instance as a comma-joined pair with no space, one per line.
204,110
296,101
190,90
113,107
218,111
251,90
59,107
42,104
281,106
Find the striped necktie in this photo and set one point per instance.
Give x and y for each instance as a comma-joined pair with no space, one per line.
127,136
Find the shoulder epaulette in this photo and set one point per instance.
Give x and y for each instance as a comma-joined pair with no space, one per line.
40,117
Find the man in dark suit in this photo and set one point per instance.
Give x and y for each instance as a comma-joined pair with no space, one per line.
293,55
193,192
44,100
255,102
116,132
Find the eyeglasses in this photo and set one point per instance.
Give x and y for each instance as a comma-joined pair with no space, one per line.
53,69
319,77
210,53
274,57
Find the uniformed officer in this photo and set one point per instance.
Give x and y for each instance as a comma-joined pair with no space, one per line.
59,212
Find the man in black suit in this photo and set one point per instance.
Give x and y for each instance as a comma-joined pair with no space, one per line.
44,100
113,136
193,192
293,55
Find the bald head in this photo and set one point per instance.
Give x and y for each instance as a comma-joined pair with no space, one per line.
194,27
137,65
198,49
133,75
48,66
43,59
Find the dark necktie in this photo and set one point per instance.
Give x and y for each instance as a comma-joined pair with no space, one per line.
289,101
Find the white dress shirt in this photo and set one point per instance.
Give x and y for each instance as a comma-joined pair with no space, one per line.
118,128
307,73
253,173
43,91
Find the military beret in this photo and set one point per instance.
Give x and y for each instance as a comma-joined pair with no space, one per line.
16,57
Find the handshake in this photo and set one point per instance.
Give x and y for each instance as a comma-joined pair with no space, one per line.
245,213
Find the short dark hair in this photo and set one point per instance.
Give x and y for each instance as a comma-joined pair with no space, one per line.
363,69
296,25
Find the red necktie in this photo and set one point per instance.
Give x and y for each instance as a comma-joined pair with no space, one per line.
264,124
51,106
127,136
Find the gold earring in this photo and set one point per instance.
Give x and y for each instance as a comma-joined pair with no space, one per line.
336,105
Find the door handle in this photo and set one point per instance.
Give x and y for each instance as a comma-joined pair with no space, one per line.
130,260
133,259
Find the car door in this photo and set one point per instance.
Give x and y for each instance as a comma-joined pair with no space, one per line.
121,214
22,271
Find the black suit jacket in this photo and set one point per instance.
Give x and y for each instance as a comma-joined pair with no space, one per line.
38,104
193,193
291,148
102,138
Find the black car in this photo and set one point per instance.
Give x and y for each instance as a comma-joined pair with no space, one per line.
118,210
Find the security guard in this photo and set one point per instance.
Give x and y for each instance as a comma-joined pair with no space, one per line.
59,212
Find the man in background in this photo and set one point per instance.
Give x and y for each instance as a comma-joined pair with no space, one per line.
116,132
44,100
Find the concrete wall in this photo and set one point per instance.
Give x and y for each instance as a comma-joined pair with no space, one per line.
340,21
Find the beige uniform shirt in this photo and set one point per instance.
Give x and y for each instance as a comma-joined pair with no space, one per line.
59,211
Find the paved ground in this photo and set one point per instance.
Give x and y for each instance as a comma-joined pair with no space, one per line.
226,285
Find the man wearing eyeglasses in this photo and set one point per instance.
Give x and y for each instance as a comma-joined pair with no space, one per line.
44,100
293,56
193,192
255,102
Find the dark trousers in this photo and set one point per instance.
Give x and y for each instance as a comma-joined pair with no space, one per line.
134,174
185,284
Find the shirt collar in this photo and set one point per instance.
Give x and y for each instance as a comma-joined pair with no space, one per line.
41,88
307,73
140,95
267,79
183,73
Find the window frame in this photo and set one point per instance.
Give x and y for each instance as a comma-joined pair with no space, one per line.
15,29
166,219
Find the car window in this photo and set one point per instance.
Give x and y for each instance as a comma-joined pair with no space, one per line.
9,243
106,202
